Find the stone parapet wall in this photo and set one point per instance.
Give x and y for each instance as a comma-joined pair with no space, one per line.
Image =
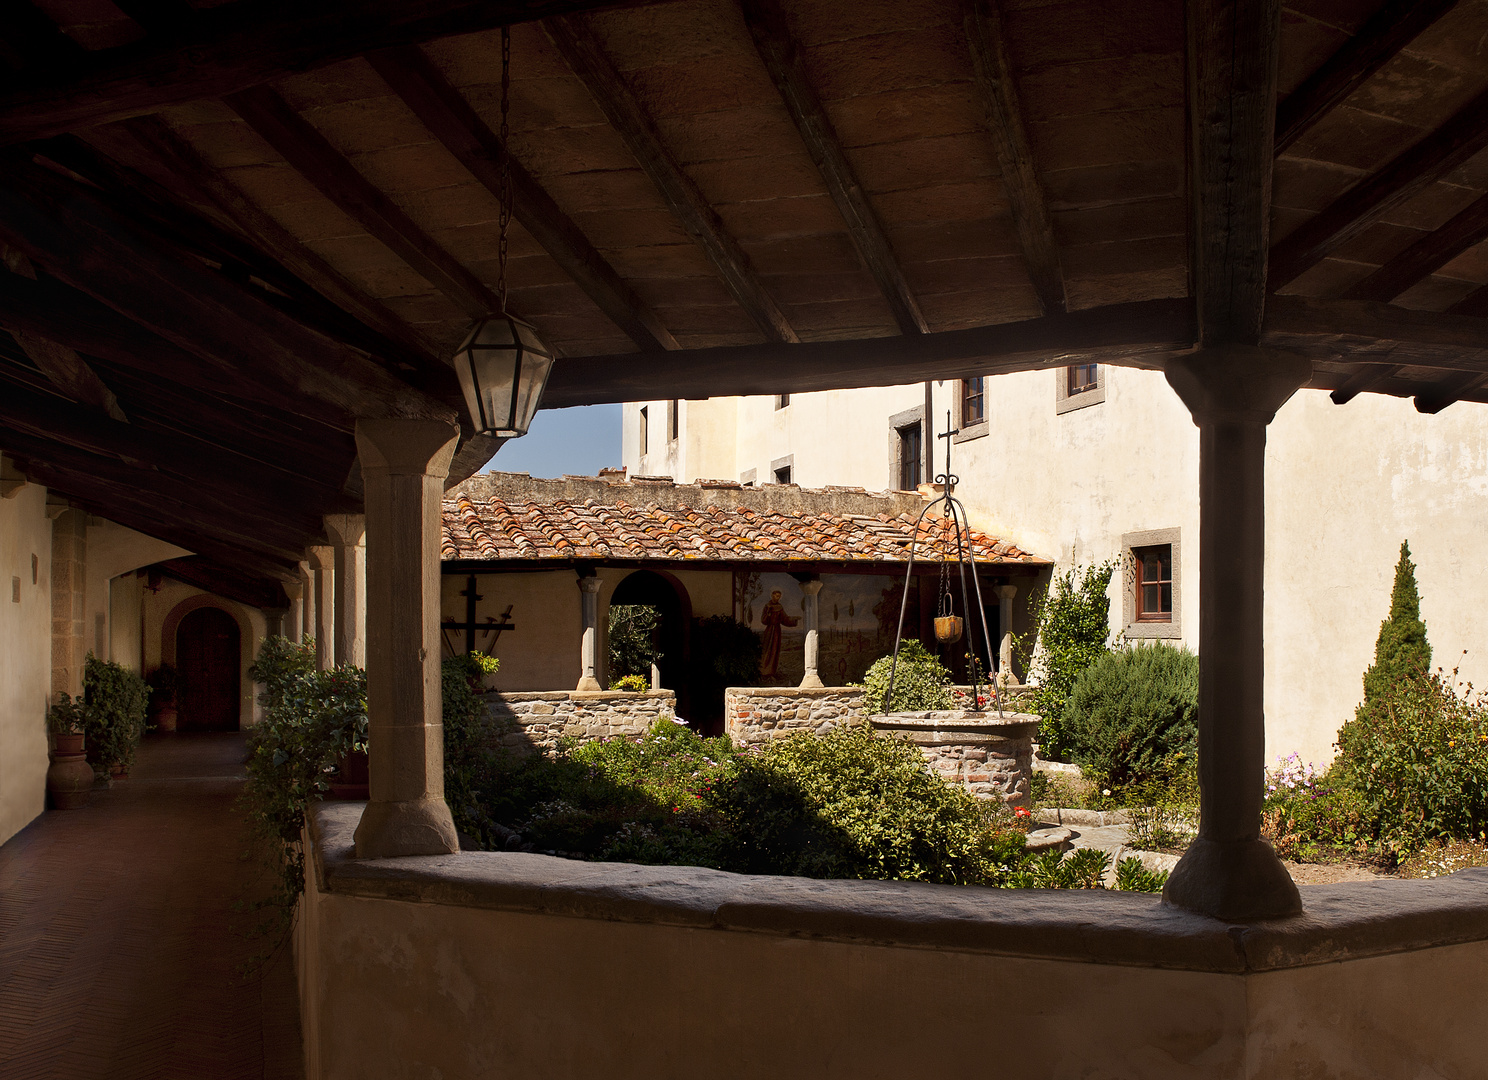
753,715
535,722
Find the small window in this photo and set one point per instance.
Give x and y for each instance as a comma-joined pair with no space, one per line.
673,421
783,475
782,400
1154,583
973,403
645,433
911,451
1081,379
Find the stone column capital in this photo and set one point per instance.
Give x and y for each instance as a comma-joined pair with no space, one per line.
1007,592
590,584
320,557
811,588
1237,383
293,589
407,447
345,530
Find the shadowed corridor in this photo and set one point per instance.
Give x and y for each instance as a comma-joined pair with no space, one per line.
120,953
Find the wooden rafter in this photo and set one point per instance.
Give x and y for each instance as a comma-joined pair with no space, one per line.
1138,334
1474,304
1378,41
1365,379
1426,256
31,41
772,39
1371,198
993,72
312,155
1233,49
585,56
445,112
70,373
228,48
1451,389
67,231
1369,332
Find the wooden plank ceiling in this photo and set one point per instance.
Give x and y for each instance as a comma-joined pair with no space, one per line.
230,229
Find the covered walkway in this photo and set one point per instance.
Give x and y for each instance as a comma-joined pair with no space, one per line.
120,953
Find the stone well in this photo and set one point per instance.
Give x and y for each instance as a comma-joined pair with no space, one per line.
990,755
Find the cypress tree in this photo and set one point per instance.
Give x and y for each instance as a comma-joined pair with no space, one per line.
1401,652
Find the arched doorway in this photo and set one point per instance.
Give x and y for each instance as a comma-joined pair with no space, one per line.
207,662
647,588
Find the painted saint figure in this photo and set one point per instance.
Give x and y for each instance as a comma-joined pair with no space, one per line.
774,617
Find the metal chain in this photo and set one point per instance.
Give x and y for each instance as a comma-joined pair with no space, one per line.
506,179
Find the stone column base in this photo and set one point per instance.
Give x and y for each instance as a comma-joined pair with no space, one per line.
590,684
1241,881
812,681
417,827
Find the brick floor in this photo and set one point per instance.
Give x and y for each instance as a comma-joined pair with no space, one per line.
120,954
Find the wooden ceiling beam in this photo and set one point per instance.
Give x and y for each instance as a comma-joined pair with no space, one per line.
1426,256
1367,378
1409,173
70,373
1451,389
1378,41
1140,334
314,158
1365,331
992,72
31,41
213,576
1233,48
587,59
230,47
65,229
449,116
782,59
1474,304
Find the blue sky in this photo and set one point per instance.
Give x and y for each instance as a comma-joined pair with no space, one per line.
580,441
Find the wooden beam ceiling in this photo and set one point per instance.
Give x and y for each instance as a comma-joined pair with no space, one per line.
1426,256
314,158
1139,334
1366,378
445,112
1233,48
1362,331
66,230
1404,177
1390,29
587,59
229,48
228,581
70,373
782,59
993,73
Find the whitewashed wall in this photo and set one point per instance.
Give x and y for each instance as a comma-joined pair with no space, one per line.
25,655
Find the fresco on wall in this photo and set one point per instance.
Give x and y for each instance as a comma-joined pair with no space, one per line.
856,613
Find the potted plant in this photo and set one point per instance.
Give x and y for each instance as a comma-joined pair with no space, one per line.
69,779
115,712
162,683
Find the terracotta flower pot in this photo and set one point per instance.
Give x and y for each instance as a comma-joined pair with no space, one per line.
69,779
165,718
947,628
353,781
119,772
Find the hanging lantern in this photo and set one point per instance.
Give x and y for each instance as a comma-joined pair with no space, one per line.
503,366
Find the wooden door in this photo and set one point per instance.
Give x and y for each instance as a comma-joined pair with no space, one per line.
207,659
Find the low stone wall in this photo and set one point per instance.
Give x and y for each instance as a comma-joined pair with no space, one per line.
534,722
753,715
991,756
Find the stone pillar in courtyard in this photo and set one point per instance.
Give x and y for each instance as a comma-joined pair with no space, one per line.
589,642
323,584
346,532
1005,594
307,600
292,626
812,591
404,463
1233,391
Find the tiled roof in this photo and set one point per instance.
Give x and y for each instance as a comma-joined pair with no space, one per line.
495,528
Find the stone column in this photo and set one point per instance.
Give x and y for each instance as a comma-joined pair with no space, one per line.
274,621
811,591
1005,594
589,643
346,532
404,463
1233,391
323,584
69,604
295,590
307,601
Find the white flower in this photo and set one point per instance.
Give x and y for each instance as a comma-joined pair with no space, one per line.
1105,791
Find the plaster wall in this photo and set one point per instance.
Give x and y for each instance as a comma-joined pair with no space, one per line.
1344,486
112,550
127,621
392,988
25,655
163,610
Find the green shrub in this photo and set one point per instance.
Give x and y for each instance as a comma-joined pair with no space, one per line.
68,716
1082,868
631,684
468,731
1071,626
632,637
1418,761
1132,876
1401,651
1131,711
921,682
1312,815
1165,811
114,714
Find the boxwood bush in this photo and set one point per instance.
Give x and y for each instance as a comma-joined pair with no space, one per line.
1131,712
921,682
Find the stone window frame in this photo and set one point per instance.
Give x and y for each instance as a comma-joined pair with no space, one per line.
674,420
1065,402
787,462
966,432
1150,631
645,430
897,422
747,477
